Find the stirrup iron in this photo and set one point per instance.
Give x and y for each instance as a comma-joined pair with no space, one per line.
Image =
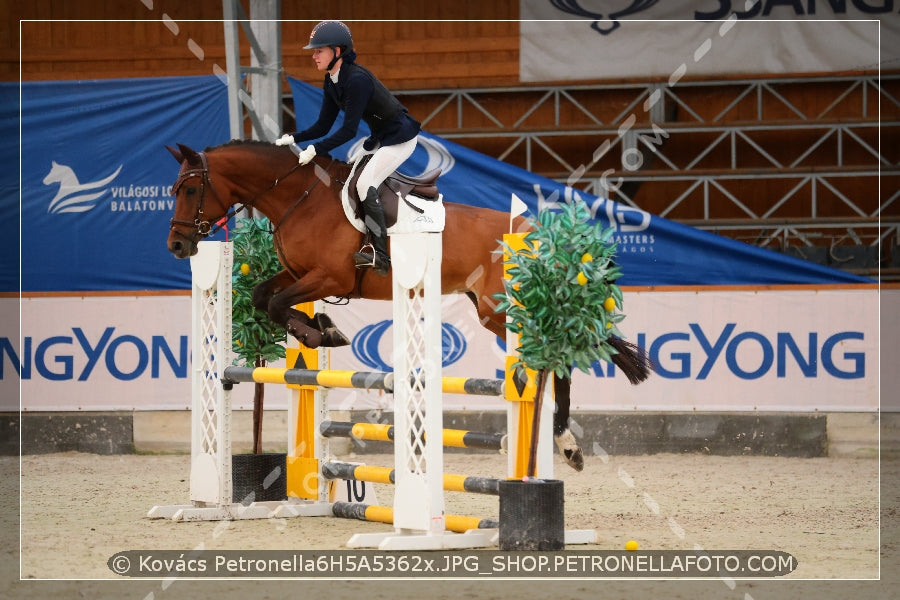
362,258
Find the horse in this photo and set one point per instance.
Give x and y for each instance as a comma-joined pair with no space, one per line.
315,244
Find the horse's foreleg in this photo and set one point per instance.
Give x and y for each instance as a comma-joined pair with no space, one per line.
562,435
263,292
331,335
314,331
297,323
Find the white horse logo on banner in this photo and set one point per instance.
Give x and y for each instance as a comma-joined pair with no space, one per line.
73,196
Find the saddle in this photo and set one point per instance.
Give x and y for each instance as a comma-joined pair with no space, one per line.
396,186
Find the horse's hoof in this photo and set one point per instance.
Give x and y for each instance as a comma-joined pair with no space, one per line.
574,458
331,335
570,450
332,338
323,321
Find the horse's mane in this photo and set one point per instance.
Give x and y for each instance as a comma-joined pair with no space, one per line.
267,148
261,144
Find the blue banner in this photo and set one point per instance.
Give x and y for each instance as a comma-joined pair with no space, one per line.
95,183
9,187
96,178
652,250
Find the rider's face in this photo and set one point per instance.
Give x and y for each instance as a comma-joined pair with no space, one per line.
322,56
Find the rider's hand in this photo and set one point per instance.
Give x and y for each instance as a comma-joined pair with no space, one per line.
307,155
371,143
285,140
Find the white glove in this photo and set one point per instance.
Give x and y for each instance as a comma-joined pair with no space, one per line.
307,155
285,140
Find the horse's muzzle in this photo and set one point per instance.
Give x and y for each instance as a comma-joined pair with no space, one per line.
182,249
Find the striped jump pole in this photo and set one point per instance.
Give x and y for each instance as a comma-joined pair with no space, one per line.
325,378
369,380
385,514
385,475
380,432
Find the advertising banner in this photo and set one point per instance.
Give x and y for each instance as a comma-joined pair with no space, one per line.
584,40
105,353
789,349
719,350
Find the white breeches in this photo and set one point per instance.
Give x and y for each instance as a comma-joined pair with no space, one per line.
384,161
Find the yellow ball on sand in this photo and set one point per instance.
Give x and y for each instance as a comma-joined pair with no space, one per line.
631,545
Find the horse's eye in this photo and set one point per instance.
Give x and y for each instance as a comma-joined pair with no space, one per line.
191,191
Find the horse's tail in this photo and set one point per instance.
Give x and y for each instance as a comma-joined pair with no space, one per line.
633,360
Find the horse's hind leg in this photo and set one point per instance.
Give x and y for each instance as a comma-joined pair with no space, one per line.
562,435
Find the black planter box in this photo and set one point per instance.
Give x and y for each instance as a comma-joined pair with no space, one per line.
532,515
258,477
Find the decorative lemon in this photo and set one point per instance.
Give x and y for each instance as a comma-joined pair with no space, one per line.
609,304
582,278
245,269
586,257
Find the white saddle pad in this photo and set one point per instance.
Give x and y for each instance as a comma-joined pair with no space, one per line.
409,220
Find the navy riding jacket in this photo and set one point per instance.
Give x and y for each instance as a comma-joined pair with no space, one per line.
362,97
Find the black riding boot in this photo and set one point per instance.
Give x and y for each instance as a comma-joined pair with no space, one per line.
374,255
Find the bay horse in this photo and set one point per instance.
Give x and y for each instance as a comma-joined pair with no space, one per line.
315,244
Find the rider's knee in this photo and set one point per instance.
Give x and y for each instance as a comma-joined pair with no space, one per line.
362,187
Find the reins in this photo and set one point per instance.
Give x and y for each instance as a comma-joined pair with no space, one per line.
279,249
302,197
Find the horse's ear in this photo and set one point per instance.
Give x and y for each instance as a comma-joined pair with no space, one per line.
189,155
178,156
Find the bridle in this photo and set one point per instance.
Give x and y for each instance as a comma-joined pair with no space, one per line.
202,226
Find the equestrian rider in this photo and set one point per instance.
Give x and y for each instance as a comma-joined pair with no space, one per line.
356,91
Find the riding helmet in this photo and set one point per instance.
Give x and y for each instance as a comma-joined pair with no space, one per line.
330,33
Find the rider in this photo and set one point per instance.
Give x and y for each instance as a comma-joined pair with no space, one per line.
356,91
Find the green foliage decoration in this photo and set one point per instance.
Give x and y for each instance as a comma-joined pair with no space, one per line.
256,340
558,293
